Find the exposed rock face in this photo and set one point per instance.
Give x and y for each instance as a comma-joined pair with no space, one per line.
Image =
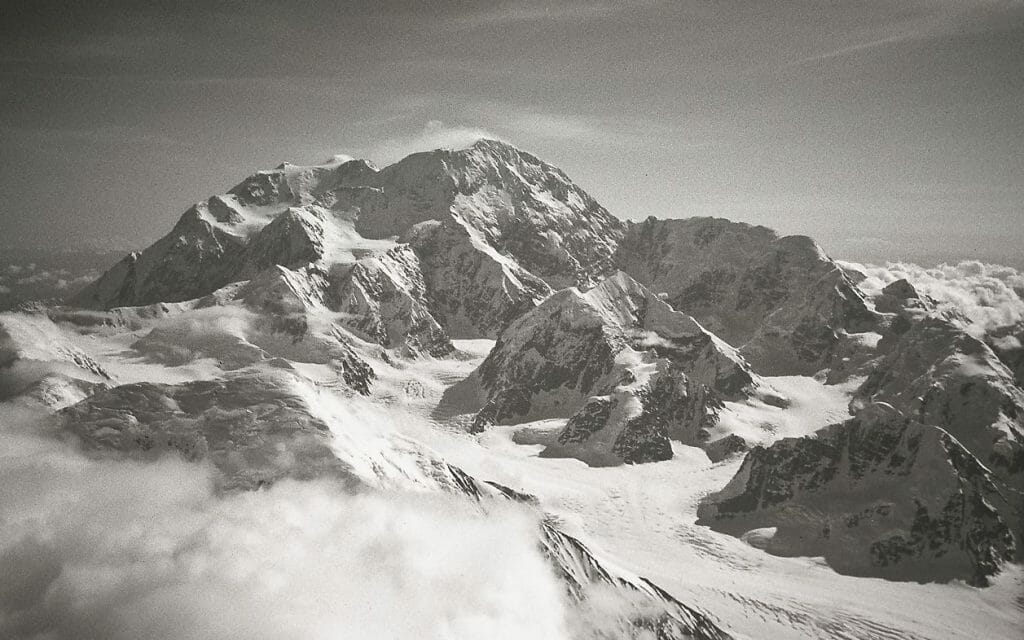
1008,344
521,206
384,297
492,229
900,297
940,375
283,291
193,260
780,300
879,495
901,290
209,247
292,239
650,612
637,371
253,426
472,290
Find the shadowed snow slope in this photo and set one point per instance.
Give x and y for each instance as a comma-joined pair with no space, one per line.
940,375
521,206
254,427
878,495
630,371
781,301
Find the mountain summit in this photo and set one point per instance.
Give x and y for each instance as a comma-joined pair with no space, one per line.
626,395
508,202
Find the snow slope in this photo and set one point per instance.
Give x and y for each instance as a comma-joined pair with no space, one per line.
781,301
453,328
630,371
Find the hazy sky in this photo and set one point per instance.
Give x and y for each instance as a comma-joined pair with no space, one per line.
883,128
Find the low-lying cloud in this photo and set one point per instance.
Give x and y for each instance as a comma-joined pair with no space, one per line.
30,281
989,296
110,549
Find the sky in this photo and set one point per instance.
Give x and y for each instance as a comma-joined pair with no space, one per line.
885,129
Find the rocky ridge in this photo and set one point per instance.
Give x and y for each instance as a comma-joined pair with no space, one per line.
879,495
628,371
781,301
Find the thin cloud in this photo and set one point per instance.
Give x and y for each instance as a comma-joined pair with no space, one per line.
434,135
527,12
857,48
924,21
529,122
602,131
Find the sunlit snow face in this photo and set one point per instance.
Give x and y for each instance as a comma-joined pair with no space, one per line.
93,549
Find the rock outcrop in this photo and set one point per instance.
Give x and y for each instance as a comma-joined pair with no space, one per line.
510,200
629,370
878,495
383,299
938,374
781,301
472,290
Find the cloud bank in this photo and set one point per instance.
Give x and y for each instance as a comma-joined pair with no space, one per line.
103,549
989,296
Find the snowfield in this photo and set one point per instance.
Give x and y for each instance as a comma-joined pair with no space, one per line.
639,518
643,517
452,399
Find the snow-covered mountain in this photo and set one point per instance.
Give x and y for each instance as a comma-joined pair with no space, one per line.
940,375
630,372
878,495
470,323
505,198
1008,344
484,232
272,217
260,426
782,302
41,364
473,290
